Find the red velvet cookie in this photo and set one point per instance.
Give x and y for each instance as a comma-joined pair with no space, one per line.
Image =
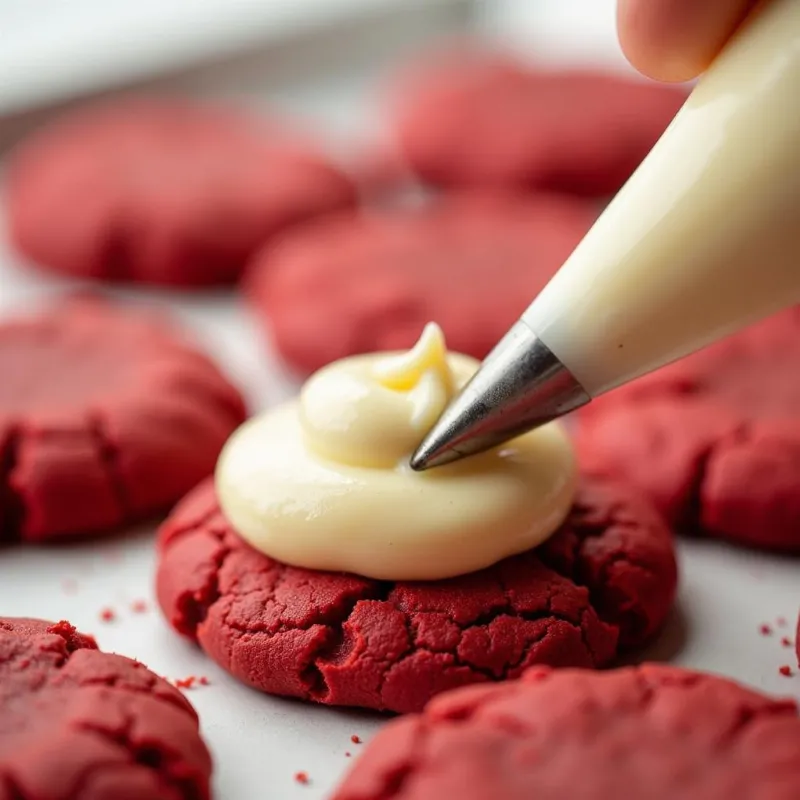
713,439
474,118
106,417
359,284
603,583
78,724
162,192
646,733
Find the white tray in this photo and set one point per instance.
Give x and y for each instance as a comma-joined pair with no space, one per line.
260,742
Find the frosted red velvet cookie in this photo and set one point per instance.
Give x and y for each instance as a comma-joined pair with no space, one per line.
602,584
472,118
713,439
78,724
647,733
161,191
106,417
363,283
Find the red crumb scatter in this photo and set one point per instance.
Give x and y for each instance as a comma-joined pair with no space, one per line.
191,681
355,739
139,606
107,615
69,586
765,630
781,622
302,777
786,641
785,670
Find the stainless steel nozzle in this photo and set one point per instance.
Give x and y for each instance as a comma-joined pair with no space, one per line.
519,386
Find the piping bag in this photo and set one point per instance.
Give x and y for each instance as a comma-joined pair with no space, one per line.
703,239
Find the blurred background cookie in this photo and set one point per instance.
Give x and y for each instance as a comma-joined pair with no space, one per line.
371,282
163,191
106,417
475,118
713,439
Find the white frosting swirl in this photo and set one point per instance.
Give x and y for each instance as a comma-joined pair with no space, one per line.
324,482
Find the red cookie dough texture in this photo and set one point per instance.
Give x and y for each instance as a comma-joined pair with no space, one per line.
713,439
603,583
78,724
647,733
478,119
163,192
365,283
106,417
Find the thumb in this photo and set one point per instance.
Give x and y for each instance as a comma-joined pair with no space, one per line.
675,40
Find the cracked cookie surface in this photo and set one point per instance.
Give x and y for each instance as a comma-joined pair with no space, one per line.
647,733
79,724
604,582
714,439
106,417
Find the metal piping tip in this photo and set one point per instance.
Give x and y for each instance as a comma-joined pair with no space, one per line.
519,386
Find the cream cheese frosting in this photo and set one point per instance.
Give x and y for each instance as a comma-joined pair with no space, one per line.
323,482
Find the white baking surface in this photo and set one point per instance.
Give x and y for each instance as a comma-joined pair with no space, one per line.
52,49
260,742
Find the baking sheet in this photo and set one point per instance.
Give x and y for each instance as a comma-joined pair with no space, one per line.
304,56
53,50
260,742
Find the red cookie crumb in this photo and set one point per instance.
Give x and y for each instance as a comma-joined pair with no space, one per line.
79,723
357,284
203,681
786,641
785,670
108,615
781,622
654,732
714,439
468,118
602,584
139,606
73,638
302,777
170,193
138,418
355,739
347,754
765,630
185,683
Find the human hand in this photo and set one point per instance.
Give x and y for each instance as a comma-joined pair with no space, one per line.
675,40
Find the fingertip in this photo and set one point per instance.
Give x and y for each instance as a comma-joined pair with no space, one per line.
676,40
649,51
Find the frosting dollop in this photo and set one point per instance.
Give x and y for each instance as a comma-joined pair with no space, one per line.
324,482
